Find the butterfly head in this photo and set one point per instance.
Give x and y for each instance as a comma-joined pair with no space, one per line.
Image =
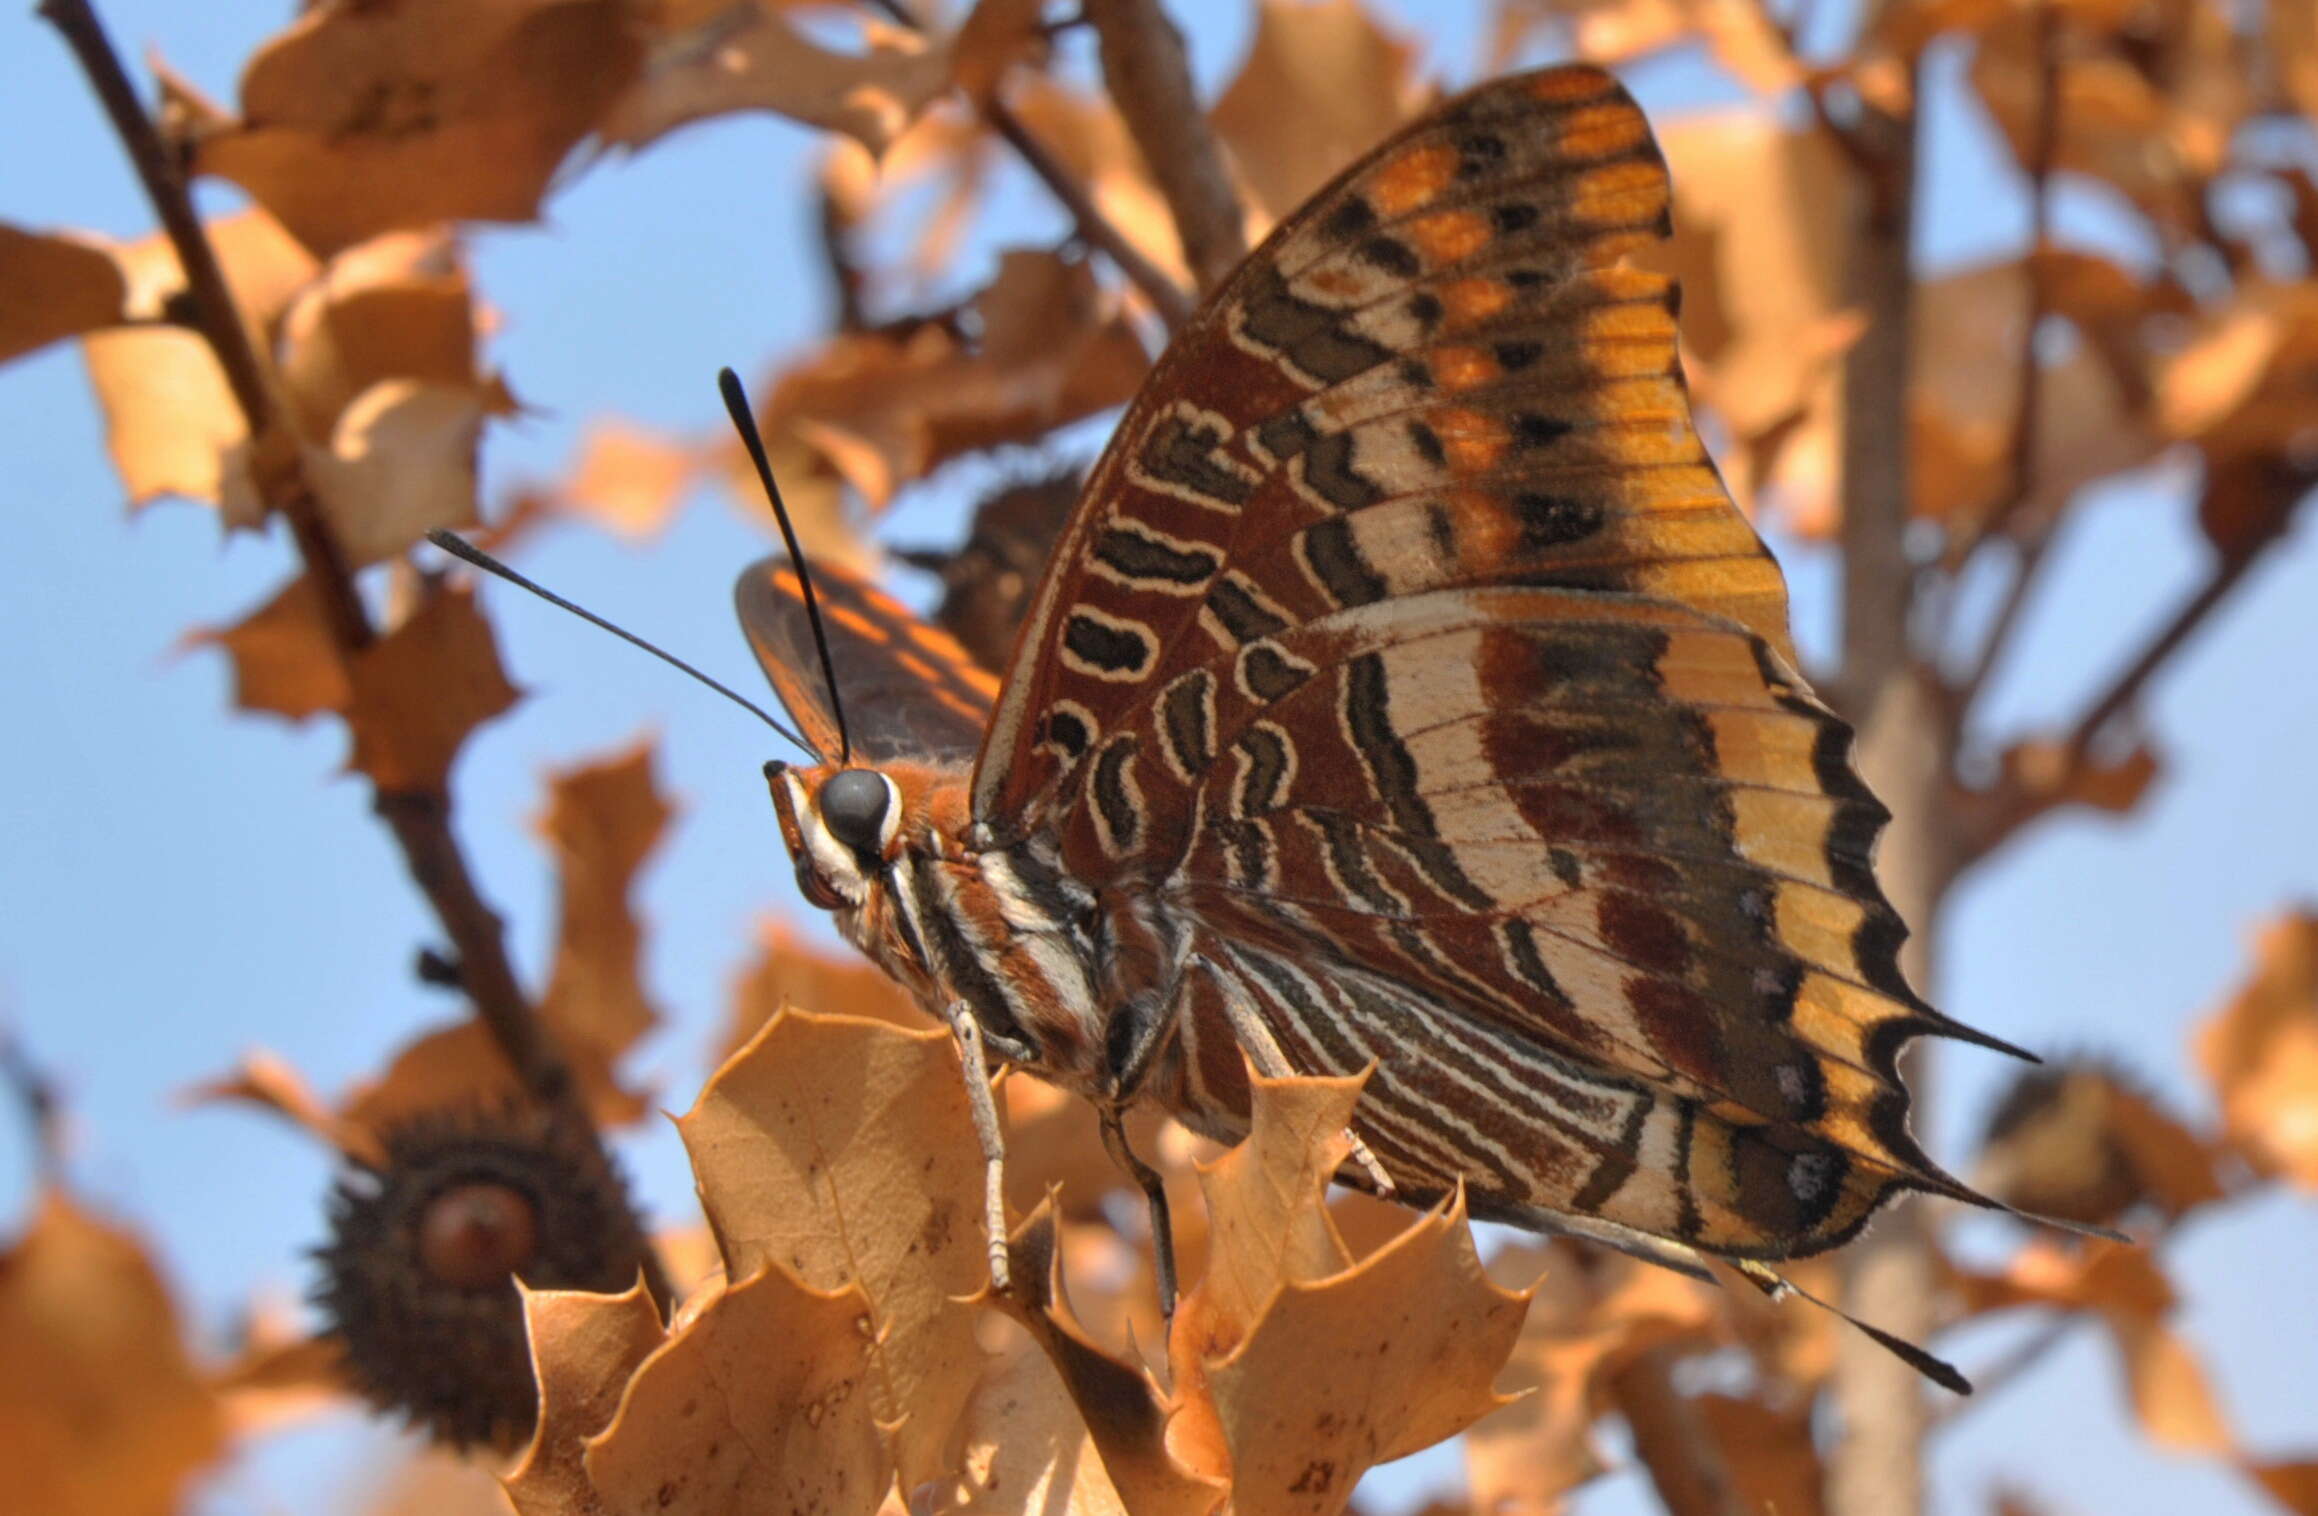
842,826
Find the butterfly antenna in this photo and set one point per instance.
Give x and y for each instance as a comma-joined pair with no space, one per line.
744,421
460,548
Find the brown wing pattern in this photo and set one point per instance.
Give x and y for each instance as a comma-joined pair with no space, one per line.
1435,374
1408,645
912,694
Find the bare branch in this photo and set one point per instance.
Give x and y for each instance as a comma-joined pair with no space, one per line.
2028,417
1165,295
421,822
35,1096
1150,79
1685,1466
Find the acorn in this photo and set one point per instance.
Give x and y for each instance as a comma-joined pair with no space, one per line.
418,1275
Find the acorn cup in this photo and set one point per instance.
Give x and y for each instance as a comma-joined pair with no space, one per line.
418,1278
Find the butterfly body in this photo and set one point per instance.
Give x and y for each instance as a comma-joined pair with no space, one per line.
1405,695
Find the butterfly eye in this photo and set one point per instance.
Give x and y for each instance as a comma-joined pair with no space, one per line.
853,805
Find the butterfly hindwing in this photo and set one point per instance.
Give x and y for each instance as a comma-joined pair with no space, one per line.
911,692
1407,643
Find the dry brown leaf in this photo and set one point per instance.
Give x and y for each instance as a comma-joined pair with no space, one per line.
749,57
584,1349
171,424
1125,1412
2044,768
400,463
2076,1141
1267,1225
1739,33
362,118
455,1066
421,689
268,1082
59,285
396,307
888,410
1027,1451
766,1401
628,480
2123,1285
842,1150
791,969
1764,223
280,1377
2261,1053
1592,1314
1343,1373
603,820
101,1412
284,661
1966,406
1321,84
995,36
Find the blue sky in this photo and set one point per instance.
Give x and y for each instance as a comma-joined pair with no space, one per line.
183,884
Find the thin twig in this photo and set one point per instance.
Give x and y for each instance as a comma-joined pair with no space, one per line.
2028,416
421,821
2011,805
1095,228
1150,80
35,1096
1165,295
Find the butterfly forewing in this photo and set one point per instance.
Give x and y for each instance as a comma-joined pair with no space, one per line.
1407,650
911,692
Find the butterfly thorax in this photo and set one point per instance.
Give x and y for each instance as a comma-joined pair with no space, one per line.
1003,929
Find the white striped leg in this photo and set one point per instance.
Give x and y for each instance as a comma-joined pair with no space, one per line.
1256,1040
975,1060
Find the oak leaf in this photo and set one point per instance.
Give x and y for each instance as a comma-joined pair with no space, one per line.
2122,1285
1027,1451
1591,1315
400,462
791,969
715,1422
363,118
603,821
750,57
1769,1452
1321,84
628,480
59,285
284,661
1342,1373
1125,1412
421,689
101,1411
2260,1051
841,1151
584,1349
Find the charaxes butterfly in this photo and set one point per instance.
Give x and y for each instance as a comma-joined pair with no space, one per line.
1405,693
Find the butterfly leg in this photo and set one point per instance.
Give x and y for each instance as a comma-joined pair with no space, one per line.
976,1061
1255,1040
1155,1196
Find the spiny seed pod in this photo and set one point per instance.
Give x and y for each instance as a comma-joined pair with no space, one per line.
987,582
2078,1141
417,1278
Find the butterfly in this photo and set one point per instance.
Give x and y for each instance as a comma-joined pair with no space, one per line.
1405,694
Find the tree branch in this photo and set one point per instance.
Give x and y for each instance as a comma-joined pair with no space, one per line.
1676,1448
1150,79
1165,295
421,821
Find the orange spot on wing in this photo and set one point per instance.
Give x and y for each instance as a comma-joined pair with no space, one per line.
1620,194
1448,236
1473,440
1461,368
1411,179
1601,131
1470,302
